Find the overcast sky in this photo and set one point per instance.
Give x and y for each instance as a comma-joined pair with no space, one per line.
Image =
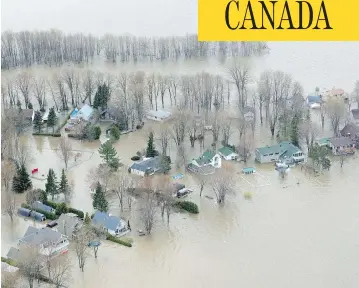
138,17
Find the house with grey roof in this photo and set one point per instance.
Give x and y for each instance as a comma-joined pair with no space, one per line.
284,151
148,166
109,223
13,254
68,224
48,241
342,145
40,206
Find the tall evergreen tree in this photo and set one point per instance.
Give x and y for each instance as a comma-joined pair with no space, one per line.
87,219
109,155
150,151
99,200
51,184
52,119
64,186
294,132
21,181
102,96
37,121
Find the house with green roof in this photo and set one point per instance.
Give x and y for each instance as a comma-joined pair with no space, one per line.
227,153
285,152
206,163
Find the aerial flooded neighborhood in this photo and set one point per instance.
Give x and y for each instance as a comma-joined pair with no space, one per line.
136,160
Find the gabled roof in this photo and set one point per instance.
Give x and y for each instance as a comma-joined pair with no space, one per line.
67,224
85,112
341,141
36,236
284,148
43,207
226,151
206,158
145,165
108,221
350,128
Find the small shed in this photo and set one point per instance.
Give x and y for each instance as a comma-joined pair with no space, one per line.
24,212
38,216
40,206
249,170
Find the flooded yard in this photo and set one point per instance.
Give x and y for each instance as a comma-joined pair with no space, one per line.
300,231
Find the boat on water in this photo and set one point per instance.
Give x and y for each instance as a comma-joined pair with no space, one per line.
183,192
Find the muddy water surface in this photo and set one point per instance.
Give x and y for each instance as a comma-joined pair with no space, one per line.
288,235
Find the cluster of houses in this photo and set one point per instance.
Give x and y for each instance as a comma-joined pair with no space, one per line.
315,101
54,239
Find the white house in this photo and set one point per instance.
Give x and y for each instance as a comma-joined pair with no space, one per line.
227,153
159,115
208,158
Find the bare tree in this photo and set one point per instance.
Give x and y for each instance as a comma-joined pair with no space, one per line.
245,144
40,91
9,279
88,85
222,183
61,271
163,138
148,211
336,112
203,181
226,129
81,240
8,196
179,126
172,86
65,150
308,131
30,264
137,93
22,153
239,74
12,90
192,129
24,81
101,174
71,78
119,184
162,87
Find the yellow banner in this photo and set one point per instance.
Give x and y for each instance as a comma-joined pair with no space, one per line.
253,20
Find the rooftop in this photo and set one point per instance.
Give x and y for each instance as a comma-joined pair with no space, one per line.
147,164
285,148
37,236
85,112
206,158
314,99
107,220
350,128
67,224
226,151
341,141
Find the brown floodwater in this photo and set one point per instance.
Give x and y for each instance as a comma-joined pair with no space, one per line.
288,235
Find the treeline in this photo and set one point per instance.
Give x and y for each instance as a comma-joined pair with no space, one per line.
53,47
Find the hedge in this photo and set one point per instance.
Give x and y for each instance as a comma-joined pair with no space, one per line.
23,205
77,212
50,203
47,134
8,261
188,206
48,215
117,240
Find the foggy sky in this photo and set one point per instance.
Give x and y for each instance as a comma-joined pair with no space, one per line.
137,17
